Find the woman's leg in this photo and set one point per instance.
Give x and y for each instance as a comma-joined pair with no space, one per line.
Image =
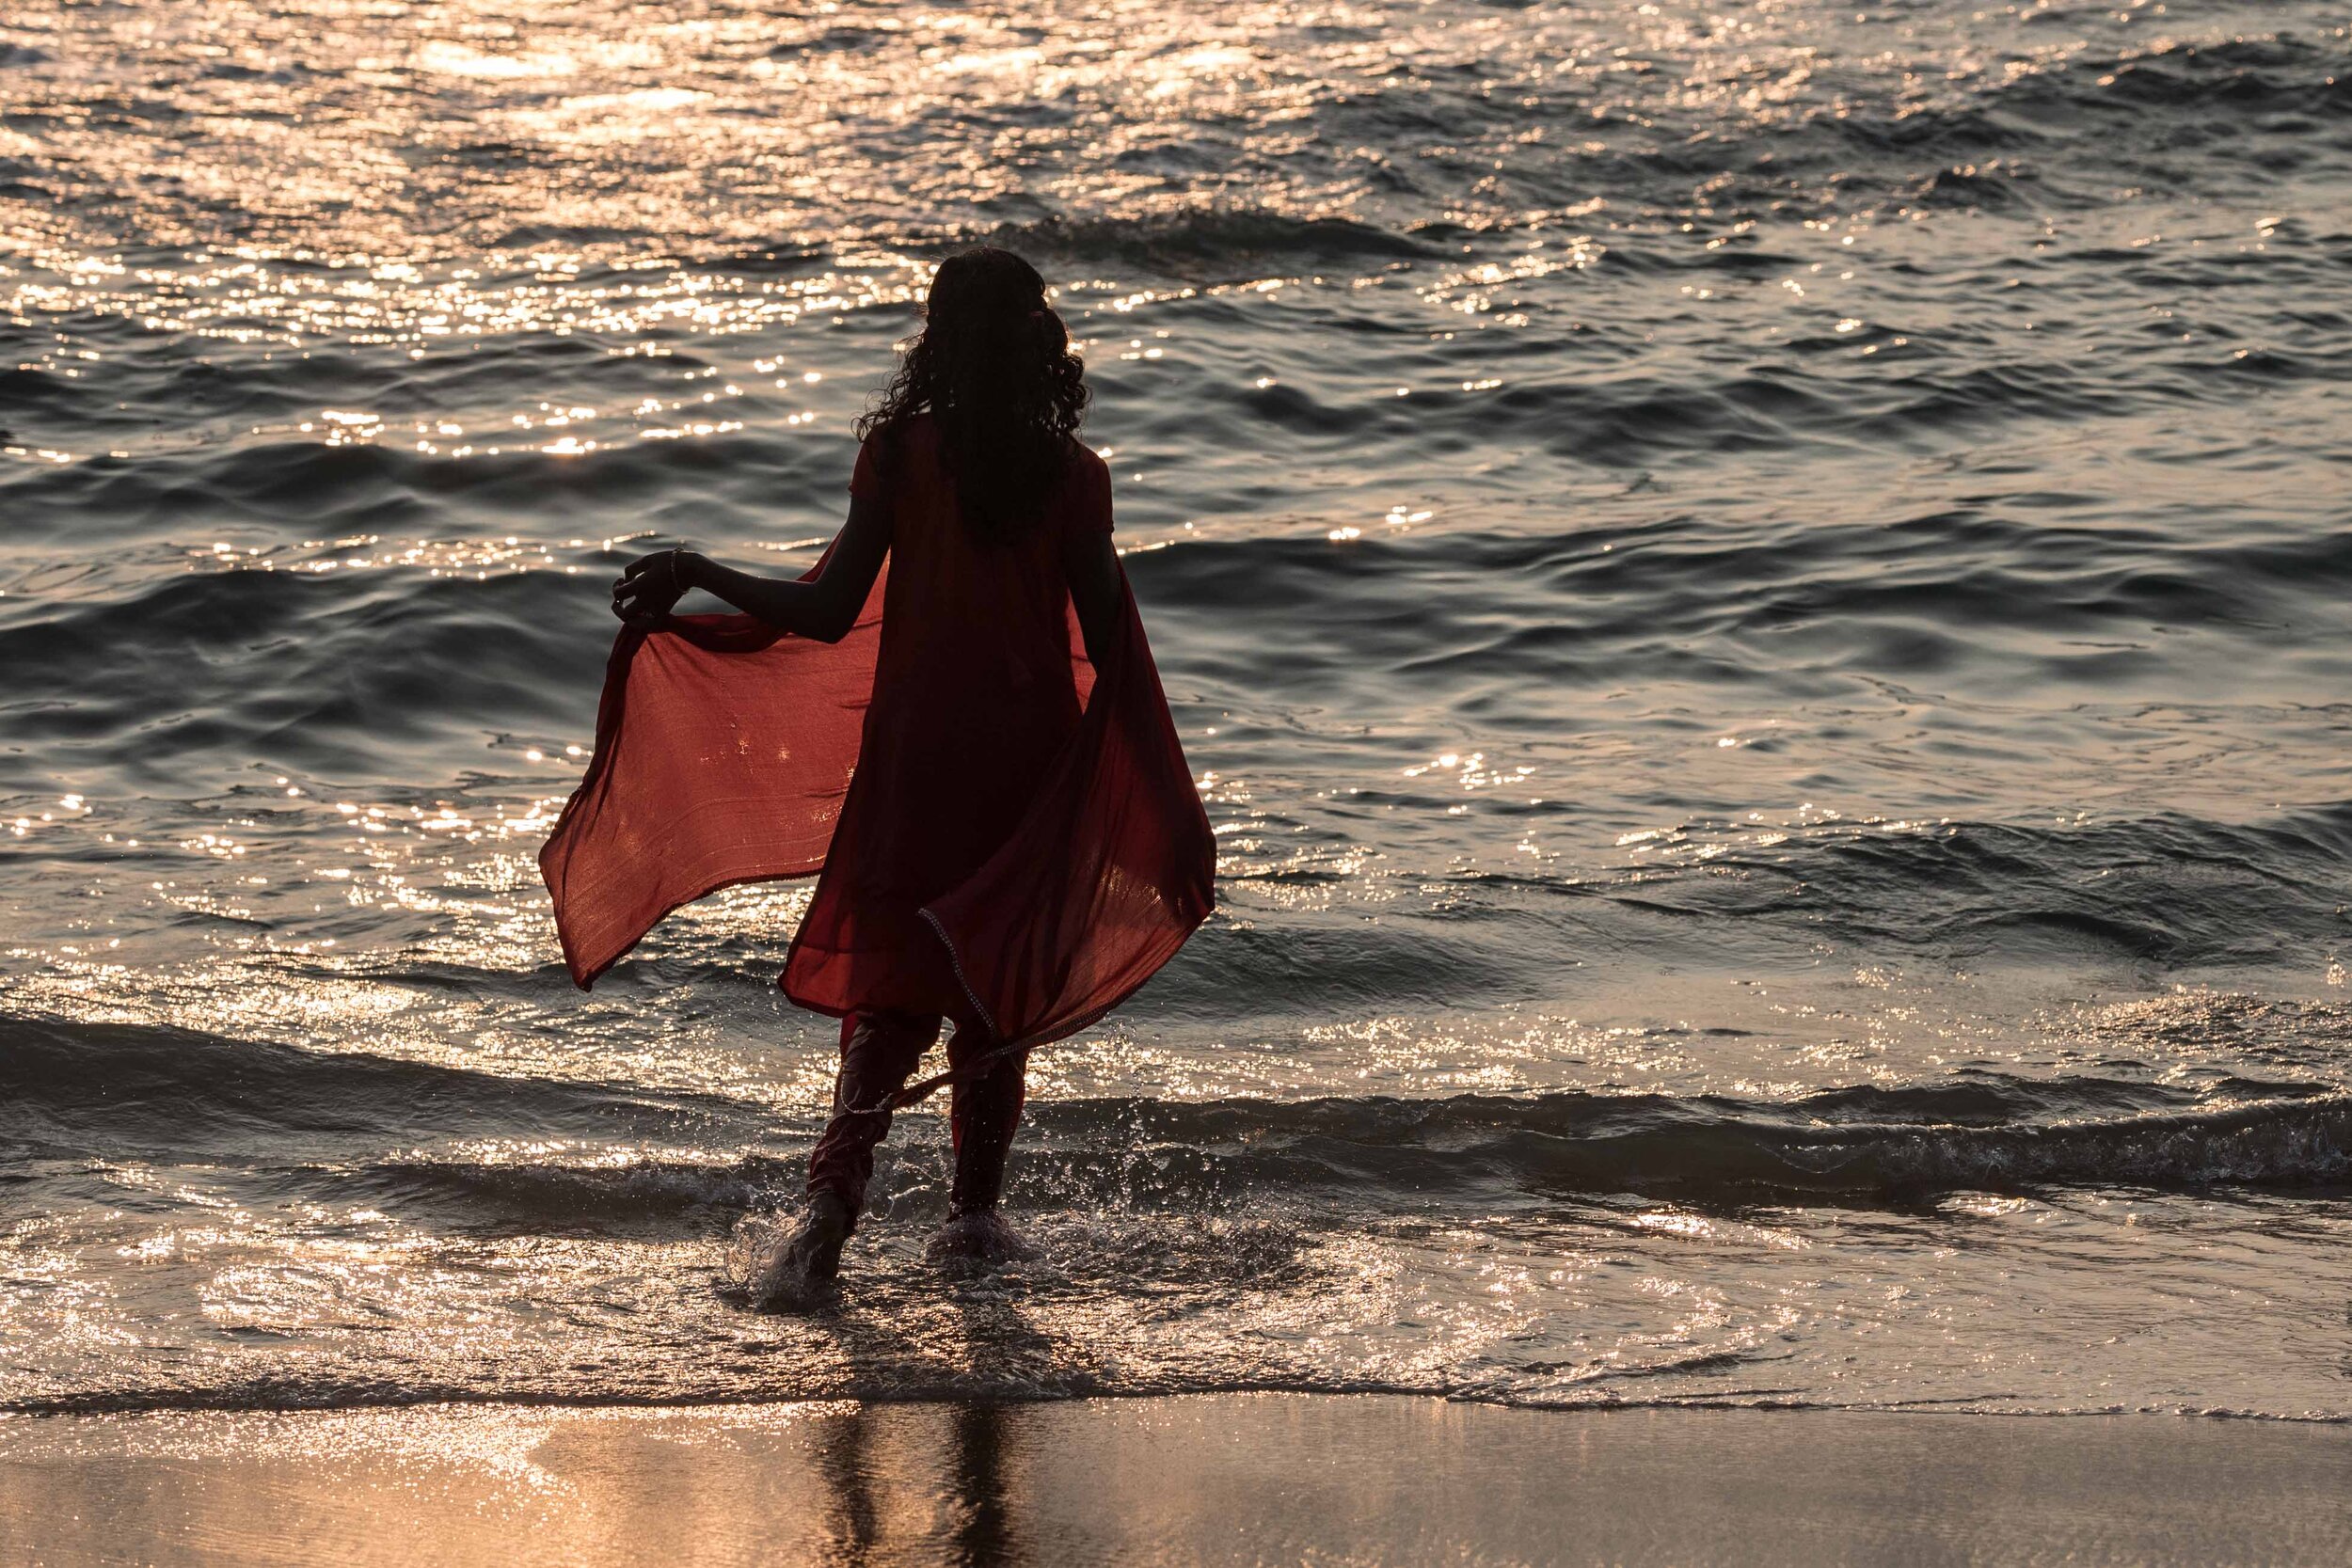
982,1117
880,1052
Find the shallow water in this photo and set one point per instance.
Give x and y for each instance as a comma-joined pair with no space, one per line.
1759,601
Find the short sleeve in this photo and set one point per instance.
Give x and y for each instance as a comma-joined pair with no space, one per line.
1092,512
866,480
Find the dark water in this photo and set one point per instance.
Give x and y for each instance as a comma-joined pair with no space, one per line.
1759,599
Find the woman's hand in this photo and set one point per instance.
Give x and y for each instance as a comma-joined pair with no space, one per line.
650,586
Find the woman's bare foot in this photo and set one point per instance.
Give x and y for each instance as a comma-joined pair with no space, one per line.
810,1255
978,1238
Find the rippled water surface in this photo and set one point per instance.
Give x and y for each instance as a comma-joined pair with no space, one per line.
1758,594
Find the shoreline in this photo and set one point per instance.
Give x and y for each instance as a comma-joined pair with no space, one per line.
1166,1480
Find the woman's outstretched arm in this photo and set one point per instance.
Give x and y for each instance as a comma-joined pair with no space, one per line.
824,607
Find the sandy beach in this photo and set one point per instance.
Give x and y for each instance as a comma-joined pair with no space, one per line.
1202,1479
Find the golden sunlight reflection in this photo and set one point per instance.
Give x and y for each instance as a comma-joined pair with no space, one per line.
1705,1227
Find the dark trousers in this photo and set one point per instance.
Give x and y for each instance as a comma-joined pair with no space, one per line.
880,1052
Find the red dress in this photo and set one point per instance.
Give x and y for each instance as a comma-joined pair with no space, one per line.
975,696
1007,835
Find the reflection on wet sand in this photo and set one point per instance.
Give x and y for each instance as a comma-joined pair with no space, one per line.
843,1461
987,1533
942,1472
1213,1479
959,1456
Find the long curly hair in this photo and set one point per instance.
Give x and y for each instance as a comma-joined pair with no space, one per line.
993,369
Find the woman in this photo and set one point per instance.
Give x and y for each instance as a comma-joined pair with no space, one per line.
971,781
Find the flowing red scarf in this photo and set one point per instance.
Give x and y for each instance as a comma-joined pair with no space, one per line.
725,749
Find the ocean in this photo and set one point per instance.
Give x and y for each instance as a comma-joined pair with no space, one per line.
1760,597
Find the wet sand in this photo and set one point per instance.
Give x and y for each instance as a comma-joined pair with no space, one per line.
1204,1478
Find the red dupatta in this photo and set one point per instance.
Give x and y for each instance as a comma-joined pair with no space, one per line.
725,749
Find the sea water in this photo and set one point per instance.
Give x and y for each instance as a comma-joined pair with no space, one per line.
1757,595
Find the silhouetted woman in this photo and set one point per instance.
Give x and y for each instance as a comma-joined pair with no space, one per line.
997,522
